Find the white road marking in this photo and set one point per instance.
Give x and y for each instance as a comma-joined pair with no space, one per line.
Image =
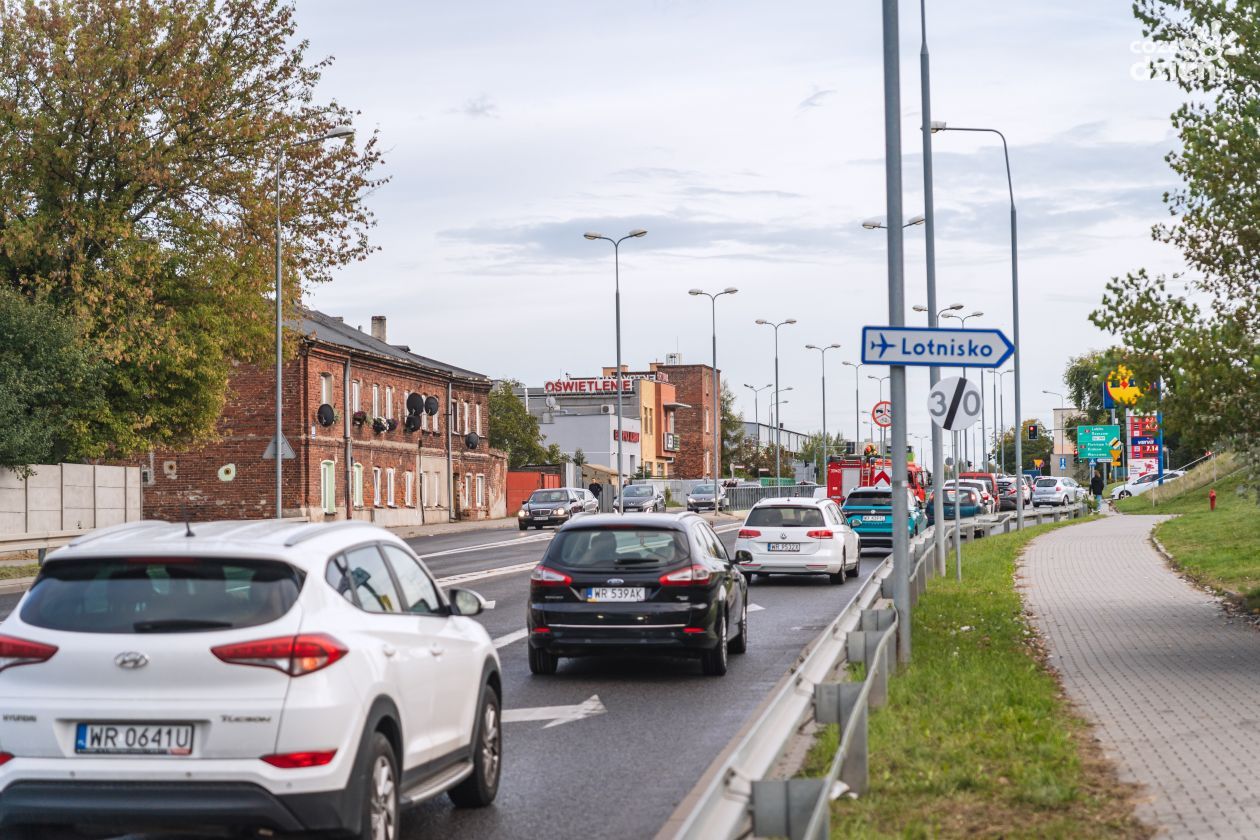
490,604
468,577
755,608
504,641
557,714
483,546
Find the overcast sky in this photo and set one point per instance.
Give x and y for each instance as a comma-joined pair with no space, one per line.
747,138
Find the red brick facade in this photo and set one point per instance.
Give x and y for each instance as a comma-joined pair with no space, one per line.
696,425
398,477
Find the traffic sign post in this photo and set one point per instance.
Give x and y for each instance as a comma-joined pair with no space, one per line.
935,347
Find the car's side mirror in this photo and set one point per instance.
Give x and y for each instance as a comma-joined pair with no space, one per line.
465,602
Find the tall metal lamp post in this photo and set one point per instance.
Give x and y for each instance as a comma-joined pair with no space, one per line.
778,468
616,243
717,397
821,478
757,407
857,402
339,132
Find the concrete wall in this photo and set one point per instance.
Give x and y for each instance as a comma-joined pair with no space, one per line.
68,497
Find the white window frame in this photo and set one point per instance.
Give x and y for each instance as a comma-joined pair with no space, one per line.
325,389
376,486
389,487
328,486
477,408
358,485
409,483
376,400
464,405
356,388
481,490
389,402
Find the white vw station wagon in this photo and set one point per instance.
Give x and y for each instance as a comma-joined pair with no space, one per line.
260,676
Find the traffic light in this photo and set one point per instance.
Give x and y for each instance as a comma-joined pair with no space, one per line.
1032,431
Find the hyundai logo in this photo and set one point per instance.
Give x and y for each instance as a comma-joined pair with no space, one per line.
615,581
131,660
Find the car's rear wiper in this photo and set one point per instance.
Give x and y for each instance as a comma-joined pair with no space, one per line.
175,625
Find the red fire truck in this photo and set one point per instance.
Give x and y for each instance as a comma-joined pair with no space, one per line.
845,473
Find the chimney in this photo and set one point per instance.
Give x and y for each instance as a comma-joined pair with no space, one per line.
378,327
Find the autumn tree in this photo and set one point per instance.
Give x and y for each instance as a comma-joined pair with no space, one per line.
139,141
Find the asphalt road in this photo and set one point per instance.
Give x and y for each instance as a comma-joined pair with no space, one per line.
638,733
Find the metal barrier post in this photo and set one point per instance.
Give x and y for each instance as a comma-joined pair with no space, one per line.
855,772
782,807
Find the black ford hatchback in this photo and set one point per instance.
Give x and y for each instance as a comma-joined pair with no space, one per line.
656,583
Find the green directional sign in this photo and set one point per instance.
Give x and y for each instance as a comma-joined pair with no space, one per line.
1096,441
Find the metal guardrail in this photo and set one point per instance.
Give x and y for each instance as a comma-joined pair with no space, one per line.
800,808
37,542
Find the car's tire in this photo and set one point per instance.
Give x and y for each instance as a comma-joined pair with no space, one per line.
524,526
379,818
480,789
857,564
713,662
542,662
838,578
748,576
740,643
1124,494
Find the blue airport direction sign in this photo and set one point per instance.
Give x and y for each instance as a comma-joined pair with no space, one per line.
927,347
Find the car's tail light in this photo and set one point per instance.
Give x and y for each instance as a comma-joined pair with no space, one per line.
820,535
15,651
5,757
693,575
542,576
294,655
294,760
748,533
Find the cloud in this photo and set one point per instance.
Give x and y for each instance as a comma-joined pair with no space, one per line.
700,192
480,107
814,100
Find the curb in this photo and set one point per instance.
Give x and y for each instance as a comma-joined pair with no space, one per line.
15,586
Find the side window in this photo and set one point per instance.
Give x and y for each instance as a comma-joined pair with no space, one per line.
712,542
419,595
372,584
338,577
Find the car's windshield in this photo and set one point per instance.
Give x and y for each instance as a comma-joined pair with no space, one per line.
160,594
703,488
869,497
548,496
638,490
785,516
617,547
1047,482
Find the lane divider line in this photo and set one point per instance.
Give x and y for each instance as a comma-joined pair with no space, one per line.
504,641
533,538
468,577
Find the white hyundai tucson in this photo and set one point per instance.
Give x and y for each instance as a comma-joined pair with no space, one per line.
797,536
258,676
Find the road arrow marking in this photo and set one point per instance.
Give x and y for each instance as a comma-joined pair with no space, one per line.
504,641
557,714
755,608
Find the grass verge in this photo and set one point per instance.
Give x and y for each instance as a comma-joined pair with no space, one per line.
977,739
11,572
1220,548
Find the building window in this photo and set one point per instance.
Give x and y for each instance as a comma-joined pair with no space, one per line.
706,419
389,487
358,485
466,427
467,490
708,461
389,401
481,490
325,388
355,388
409,480
477,406
376,486
376,400
328,485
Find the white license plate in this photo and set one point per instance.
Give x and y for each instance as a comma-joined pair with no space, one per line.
873,518
783,546
615,593
133,739
540,516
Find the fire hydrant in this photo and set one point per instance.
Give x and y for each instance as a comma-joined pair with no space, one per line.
1212,499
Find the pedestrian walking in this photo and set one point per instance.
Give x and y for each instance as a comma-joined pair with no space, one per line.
1096,486
596,488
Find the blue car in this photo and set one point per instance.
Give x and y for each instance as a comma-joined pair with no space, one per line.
869,513
967,505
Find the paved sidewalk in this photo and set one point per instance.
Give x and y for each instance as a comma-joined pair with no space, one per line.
1172,685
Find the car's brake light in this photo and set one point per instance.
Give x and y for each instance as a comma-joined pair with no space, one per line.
693,575
5,757
294,760
542,576
748,533
15,651
820,535
296,656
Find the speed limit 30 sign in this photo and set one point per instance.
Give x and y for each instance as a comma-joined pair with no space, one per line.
955,403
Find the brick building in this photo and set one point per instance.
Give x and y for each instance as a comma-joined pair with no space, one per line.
361,449
697,419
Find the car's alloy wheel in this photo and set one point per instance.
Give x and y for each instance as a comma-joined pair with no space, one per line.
380,801
480,789
714,661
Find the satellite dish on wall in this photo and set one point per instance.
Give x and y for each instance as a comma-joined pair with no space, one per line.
472,440
415,404
411,422
430,406
551,402
326,415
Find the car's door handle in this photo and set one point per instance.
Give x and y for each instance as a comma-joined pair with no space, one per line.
437,651
388,650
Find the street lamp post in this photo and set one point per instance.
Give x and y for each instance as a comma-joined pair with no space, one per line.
1019,445
963,319
857,402
778,469
1002,418
340,132
822,357
717,397
757,408
616,243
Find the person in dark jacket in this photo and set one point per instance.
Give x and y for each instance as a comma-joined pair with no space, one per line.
1096,487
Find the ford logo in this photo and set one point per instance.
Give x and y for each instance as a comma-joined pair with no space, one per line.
131,660
615,581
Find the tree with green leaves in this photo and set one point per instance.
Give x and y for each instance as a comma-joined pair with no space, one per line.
1042,448
139,142
816,448
732,429
517,432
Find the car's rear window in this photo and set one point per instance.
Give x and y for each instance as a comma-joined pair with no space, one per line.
590,549
785,516
160,595
871,498
1047,482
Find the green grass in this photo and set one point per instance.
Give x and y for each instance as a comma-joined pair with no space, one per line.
1220,548
10,572
976,740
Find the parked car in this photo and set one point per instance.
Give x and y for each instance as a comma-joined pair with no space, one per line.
798,536
1139,485
1057,490
990,484
965,502
555,506
659,583
868,510
268,677
642,498
701,498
